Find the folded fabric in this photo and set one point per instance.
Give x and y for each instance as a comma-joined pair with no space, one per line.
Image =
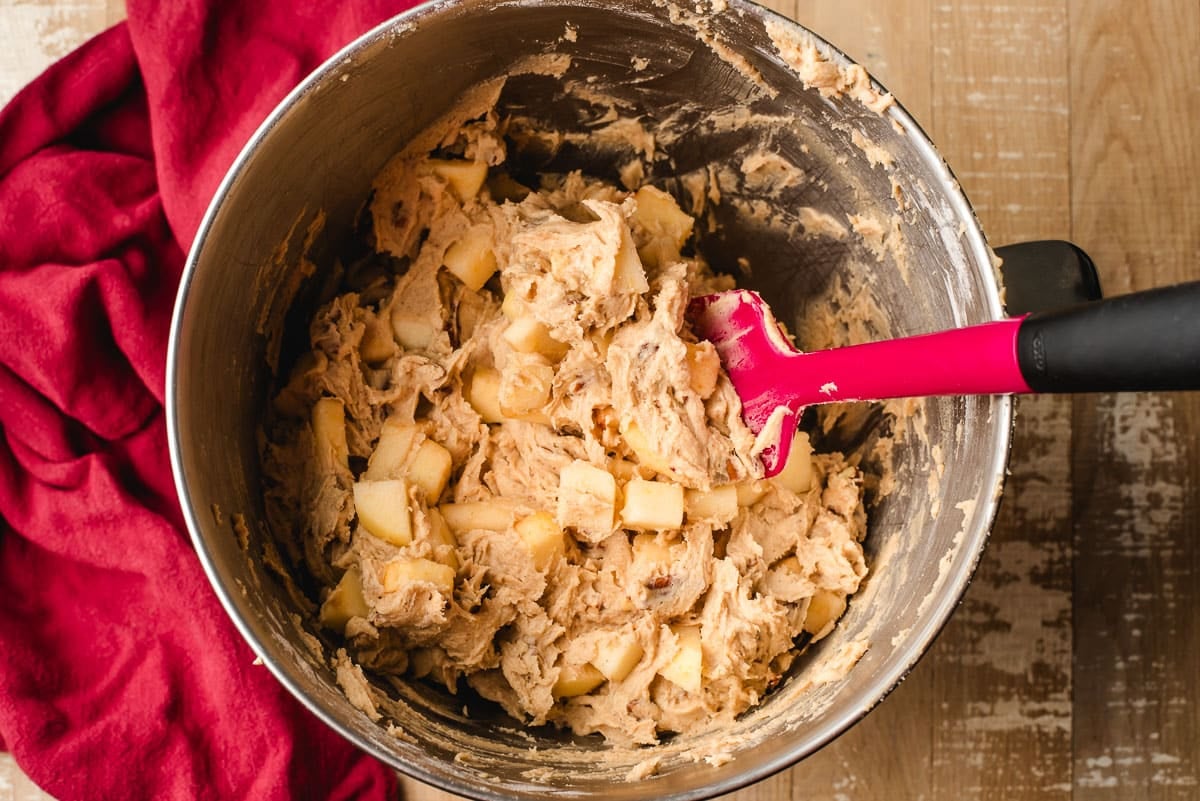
120,675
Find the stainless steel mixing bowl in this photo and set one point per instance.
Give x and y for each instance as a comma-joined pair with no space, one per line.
319,151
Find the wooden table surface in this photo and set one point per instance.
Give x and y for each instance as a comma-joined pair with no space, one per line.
1070,670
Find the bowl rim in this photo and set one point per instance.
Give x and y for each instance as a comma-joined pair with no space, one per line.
918,640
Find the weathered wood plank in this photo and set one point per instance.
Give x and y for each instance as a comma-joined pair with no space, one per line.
1136,209
892,40
36,33
1003,666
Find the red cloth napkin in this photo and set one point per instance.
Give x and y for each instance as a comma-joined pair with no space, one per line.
120,675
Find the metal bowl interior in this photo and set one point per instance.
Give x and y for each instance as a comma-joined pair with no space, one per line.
319,152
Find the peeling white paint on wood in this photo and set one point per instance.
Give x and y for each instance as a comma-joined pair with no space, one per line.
36,33
1147,602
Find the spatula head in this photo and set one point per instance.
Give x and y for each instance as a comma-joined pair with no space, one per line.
755,353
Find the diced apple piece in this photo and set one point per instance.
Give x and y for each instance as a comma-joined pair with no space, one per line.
645,452
660,215
382,509
344,602
527,335
483,393
618,655
513,308
825,607
718,505
587,498
652,505
797,471
576,680
684,669
751,492
525,389
399,573
440,533
651,551
329,431
413,331
471,258
704,366
464,177
544,538
430,470
629,277
668,225
377,343
494,515
391,451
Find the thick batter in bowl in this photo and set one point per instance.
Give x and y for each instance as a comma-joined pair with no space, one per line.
846,217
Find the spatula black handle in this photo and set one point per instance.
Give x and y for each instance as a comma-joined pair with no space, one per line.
1143,341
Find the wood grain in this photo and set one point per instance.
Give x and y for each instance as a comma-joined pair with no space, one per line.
1136,208
1068,672
37,33
1003,667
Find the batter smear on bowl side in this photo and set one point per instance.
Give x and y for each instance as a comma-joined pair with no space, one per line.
508,462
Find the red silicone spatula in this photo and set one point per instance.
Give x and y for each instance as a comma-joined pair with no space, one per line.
1140,341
